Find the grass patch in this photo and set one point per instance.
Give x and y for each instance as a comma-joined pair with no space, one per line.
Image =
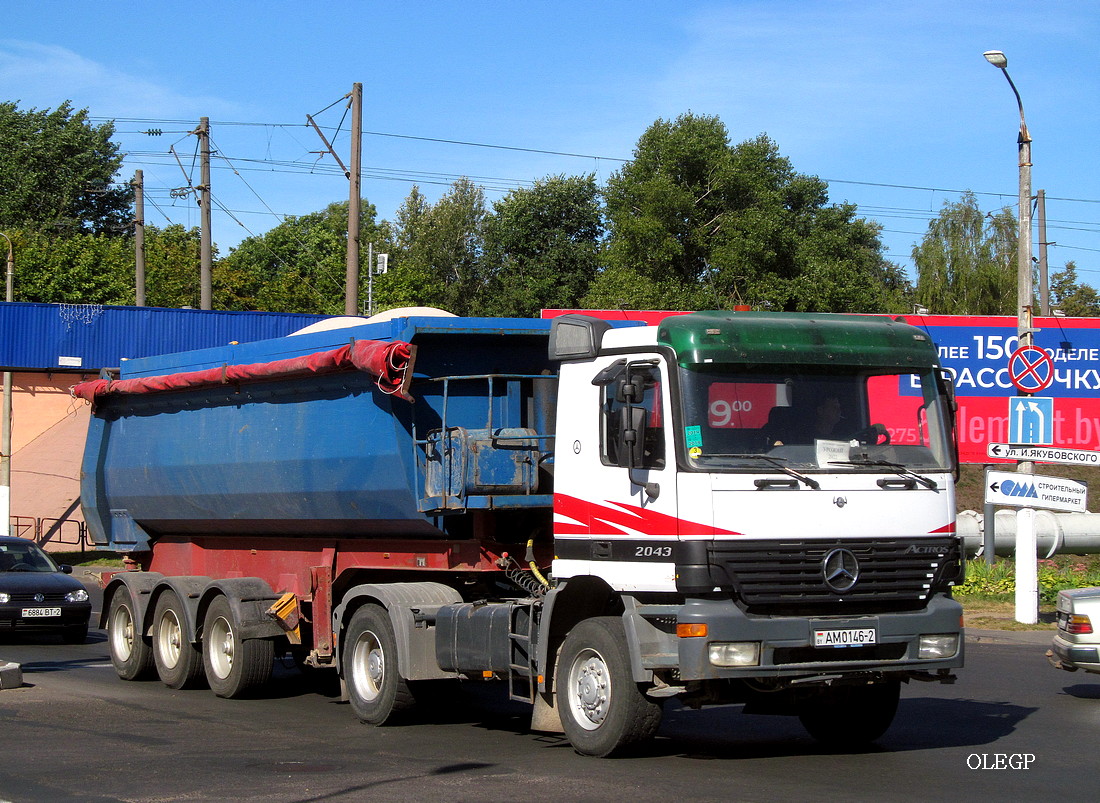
988,595
89,558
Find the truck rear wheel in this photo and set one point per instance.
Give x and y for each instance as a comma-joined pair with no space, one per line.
131,653
179,662
847,717
376,689
602,709
235,667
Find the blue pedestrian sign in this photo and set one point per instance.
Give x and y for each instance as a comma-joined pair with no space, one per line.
1031,420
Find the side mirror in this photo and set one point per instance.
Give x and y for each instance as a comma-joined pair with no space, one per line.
632,446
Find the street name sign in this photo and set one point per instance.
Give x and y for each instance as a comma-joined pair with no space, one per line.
1043,454
1035,490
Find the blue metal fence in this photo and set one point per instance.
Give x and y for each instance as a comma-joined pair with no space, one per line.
87,337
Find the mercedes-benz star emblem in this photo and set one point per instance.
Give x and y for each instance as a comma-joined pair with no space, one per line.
841,570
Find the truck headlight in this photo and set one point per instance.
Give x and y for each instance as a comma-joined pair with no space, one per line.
938,645
734,653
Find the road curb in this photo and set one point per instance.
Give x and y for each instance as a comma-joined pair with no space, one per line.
11,675
1034,637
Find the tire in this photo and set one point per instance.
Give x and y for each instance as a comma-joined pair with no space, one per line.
77,634
234,667
849,717
178,661
131,653
376,690
602,708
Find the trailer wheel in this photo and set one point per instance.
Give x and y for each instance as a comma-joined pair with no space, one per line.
376,689
131,653
847,717
602,709
179,662
235,667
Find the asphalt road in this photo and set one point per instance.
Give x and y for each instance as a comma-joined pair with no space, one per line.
1011,728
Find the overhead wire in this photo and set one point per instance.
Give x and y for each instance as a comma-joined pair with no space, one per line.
500,184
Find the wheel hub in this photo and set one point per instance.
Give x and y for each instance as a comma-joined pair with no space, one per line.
592,690
375,667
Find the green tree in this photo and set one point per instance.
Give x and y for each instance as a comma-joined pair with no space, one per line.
707,224
77,269
439,252
298,266
966,262
1071,297
542,246
56,170
172,259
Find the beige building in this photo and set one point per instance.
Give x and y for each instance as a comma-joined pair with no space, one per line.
48,429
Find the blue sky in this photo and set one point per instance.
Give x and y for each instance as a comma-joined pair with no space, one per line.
890,102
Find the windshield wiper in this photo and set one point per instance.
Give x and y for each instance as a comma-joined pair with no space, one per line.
778,463
897,468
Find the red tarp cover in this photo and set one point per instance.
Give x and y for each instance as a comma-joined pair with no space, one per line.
389,363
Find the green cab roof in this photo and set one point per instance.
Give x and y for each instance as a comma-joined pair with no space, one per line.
791,337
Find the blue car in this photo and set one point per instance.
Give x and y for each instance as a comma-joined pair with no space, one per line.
38,595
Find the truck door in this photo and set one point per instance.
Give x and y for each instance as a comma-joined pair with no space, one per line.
615,512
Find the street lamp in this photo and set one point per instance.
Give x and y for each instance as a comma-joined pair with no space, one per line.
1027,579
1024,283
5,415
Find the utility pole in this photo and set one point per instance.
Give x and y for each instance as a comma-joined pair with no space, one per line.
139,238
1044,281
5,415
351,292
205,251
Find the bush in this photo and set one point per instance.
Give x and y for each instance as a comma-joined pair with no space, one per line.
999,580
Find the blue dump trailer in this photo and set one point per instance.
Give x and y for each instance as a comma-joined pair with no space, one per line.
724,507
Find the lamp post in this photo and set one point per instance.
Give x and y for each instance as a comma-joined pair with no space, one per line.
1027,570
5,414
1024,282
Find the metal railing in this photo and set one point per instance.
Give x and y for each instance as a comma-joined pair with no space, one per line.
48,532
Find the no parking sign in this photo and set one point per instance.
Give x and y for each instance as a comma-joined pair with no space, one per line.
1031,369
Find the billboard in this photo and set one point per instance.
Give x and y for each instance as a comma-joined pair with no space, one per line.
976,351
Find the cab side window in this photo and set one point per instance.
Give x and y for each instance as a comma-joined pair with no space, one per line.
633,402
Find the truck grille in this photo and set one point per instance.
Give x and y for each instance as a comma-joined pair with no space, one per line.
789,577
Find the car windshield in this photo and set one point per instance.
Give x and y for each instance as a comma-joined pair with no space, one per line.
814,418
25,558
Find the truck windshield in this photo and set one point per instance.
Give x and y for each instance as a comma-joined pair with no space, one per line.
814,418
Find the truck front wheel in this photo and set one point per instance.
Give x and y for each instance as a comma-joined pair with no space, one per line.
848,717
131,653
179,662
376,689
235,667
602,709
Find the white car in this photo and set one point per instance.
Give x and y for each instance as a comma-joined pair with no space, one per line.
1077,644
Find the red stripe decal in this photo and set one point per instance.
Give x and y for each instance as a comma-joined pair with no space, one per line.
617,518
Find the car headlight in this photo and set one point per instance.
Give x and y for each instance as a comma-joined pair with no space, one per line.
5,596
80,595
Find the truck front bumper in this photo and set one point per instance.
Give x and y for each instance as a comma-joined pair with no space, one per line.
787,643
